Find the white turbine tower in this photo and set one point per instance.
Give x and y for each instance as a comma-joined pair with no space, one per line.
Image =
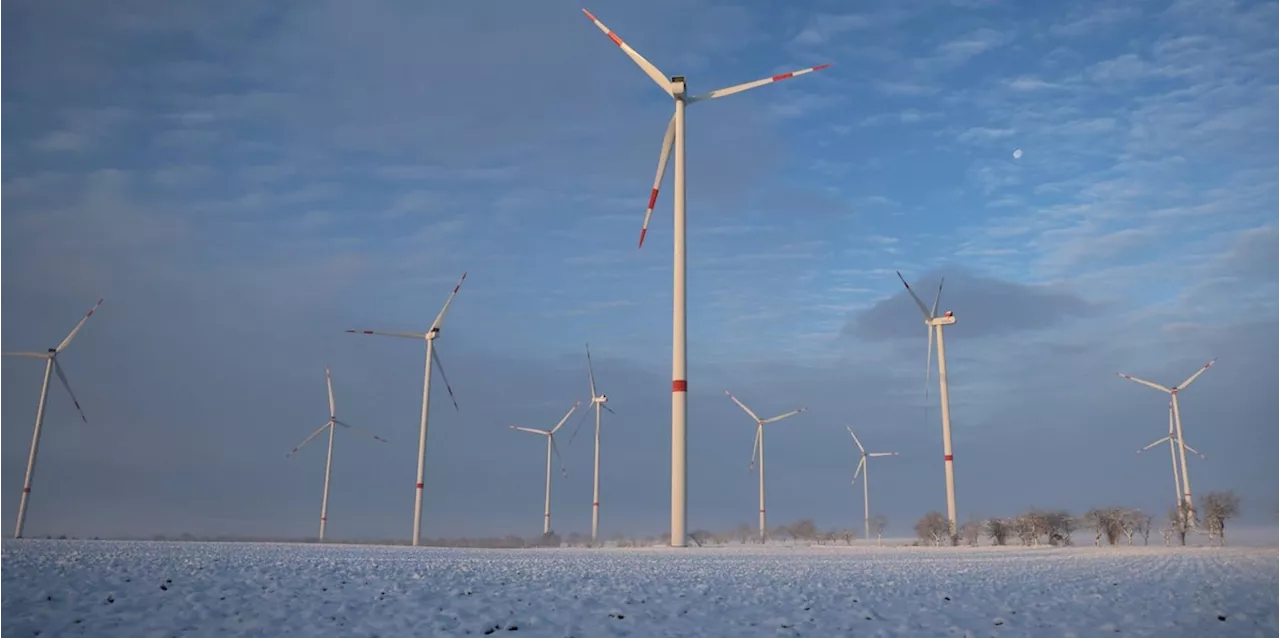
328,463
675,87
1177,425
1172,438
51,365
865,470
758,450
551,447
934,324
430,337
598,402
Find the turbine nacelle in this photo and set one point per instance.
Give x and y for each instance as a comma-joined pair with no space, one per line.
678,86
945,320
600,399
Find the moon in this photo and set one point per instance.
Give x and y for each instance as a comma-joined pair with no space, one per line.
1017,153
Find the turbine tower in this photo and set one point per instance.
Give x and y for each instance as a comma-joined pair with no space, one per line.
51,365
430,337
758,449
865,470
328,463
598,402
551,448
674,87
1177,425
934,324
1174,443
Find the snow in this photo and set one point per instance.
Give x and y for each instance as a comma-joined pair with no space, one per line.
127,588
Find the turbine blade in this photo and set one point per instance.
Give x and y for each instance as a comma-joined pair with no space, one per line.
883,454
28,355
1197,452
855,439
57,367
591,373
937,298
435,325
435,356
566,416
784,416
578,425
924,310
1192,378
755,447
743,406
1153,386
608,409
1157,442
556,450
390,333
648,67
751,85
529,430
928,365
308,439
663,157
858,470
360,431
72,335
328,380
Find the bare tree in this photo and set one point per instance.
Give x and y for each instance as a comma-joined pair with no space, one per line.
1180,522
700,537
1059,524
998,531
971,531
1105,522
1130,522
1144,528
744,533
803,530
933,528
878,524
1217,508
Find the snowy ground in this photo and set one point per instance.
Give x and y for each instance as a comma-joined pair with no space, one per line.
85,588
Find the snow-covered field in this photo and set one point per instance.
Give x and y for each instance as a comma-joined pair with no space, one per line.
102,588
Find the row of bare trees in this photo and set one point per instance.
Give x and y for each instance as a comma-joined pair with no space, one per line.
1114,525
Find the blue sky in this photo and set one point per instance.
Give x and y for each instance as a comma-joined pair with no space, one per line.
243,182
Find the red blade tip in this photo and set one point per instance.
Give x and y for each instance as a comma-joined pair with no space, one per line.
643,231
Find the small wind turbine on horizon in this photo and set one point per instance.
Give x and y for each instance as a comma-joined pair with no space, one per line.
430,337
551,447
758,450
675,88
51,366
328,463
934,324
1172,438
1177,423
864,470
598,402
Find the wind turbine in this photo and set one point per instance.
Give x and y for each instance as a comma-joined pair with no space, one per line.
430,337
598,402
864,469
328,463
1173,455
1177,424
551,447
675,88
934,323
758,449
51,365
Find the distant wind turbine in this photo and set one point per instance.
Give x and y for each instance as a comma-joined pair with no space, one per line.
865,470
1177,423
430,337
1172,438
934,324
551,447
328,463
758,450
675,88
51,365
598,402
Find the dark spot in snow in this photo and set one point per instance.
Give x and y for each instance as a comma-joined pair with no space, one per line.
806,608
999,622
868,617
786,626
222,598
513,628
947,598
324,589
164,588
488,631
168,581
111,599
49,598
1222,618
79,620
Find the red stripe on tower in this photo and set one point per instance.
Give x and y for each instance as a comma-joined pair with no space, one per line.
680,385
323,518
596,504
947,457
419,485
26,490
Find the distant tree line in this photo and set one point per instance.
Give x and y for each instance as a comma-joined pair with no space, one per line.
1112,525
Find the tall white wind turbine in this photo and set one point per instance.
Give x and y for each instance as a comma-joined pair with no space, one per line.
1172,438
598,401
330,425
865,470
758,450
675,88
1177,425
934,324
551,447
51,365
430,337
